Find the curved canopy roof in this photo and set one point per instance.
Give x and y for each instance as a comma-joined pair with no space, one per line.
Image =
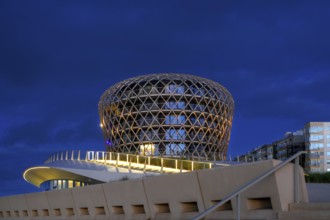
88,172
38,175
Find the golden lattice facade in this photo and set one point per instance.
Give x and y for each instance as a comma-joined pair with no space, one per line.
176,115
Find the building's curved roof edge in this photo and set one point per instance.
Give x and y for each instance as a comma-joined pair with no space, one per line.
39,174
81,171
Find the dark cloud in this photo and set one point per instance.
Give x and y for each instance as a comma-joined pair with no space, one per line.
84,132
47,132
13,167
297,97
30,134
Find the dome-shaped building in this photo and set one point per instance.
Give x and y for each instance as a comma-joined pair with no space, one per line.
167,115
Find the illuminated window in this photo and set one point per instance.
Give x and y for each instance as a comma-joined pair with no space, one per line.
147,149
70,184
59,184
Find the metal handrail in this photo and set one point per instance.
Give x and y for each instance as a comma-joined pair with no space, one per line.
105,156
256,180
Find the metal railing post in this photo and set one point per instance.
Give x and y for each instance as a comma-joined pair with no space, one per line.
296,180
238,207
129,164
162,164
181,166
145,165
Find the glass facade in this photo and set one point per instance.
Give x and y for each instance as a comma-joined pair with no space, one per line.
317,137
61,184
177,114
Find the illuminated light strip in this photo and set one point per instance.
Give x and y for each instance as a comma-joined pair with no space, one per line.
32,168
141,166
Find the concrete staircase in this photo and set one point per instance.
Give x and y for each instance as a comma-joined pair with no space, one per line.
310,211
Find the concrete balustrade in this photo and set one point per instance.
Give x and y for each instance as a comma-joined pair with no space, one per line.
175,196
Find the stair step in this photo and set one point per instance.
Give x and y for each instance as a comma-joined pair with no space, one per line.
309,206
305,214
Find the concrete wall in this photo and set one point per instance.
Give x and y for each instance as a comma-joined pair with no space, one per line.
318,192
173,196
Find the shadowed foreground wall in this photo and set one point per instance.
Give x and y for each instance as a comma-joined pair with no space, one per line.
174,196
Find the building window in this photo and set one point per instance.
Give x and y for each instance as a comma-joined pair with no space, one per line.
174,149
315,155
175,120
315,146
315,163
315,137
314,129
176,89
328,153
175,134
70,184
175,105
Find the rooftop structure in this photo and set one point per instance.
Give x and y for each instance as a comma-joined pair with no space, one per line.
175,115
152,124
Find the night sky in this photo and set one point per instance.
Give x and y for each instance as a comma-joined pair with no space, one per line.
58,57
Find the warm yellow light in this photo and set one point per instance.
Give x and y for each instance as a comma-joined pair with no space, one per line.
147,149
32,168
101,125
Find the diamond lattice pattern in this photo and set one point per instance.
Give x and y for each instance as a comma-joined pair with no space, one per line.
167,115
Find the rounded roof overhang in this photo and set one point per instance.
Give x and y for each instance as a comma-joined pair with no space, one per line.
38,175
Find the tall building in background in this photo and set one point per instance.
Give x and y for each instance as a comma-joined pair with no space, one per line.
172,115
291,143
317,141
313,138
